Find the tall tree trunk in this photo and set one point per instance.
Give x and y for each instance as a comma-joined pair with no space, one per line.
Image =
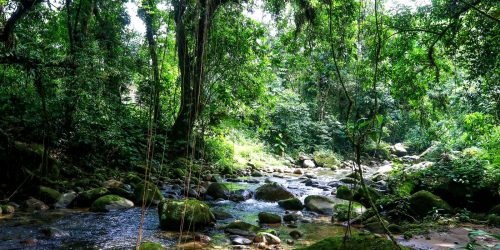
77,23
191,71
150,33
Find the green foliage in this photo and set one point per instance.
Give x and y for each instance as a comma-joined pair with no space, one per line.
220,152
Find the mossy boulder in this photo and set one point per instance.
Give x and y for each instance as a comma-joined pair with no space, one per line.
361,196
188,214
372,224
345,193
85,199
272,192
147,192
494,220
110,202
291,204
150,246
244,226
395,229
319,203
7,209
341,212
356,242
133,178
269,218
49,195
221,215
218,190
405,188
423,202
326,159
354,175
349,180
292,217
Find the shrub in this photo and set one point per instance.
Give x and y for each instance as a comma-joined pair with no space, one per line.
220,153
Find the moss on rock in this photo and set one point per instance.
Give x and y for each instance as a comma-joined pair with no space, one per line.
7,209
422,202
494,220
343,192
85,199
341,212
326,159
218,190
110,202
151,246
241,225
152,193
187,214
272,192
319,203
269,218
291,204
361,196
49,195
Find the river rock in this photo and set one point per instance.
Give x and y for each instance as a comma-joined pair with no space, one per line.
422,202
112,184
291,204
147,245
399,149
7,209
343,192
291,217
256,174
110,202
52,232
269,218
85,199
267,238
241,241
221,215
34,204
295,234
319,203
241,225
348,180
272,192
373,225
298,171
308,164
218,190
49,195
240,195
235,231
190,212
151,195
193,245
65,200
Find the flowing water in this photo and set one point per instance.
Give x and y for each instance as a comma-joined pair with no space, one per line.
80,229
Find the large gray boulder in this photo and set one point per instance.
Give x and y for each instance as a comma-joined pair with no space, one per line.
319,204
399,149
218,190
272,192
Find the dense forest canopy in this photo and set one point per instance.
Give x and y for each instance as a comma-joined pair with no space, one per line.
175,88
